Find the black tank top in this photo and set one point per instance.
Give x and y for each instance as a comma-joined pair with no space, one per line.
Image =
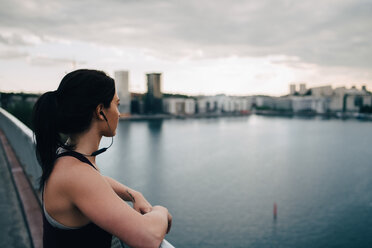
89,235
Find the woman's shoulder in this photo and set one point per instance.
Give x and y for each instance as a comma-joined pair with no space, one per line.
68,172
71,180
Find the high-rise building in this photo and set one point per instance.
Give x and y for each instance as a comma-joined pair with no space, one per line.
302,89
122,88
292,89
154,95
154,85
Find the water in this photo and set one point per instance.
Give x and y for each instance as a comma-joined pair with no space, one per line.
221,177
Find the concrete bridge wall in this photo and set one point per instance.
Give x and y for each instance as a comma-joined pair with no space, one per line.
21,139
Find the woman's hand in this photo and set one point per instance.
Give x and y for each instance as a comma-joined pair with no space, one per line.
169,222
164,212
140,204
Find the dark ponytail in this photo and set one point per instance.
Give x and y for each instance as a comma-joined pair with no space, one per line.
46,133
68,111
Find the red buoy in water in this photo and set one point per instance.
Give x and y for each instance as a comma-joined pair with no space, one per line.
275,210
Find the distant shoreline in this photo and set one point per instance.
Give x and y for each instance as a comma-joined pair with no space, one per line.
170,116
339,115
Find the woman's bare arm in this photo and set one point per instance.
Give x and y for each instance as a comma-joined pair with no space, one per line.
96,199
140,204
125,193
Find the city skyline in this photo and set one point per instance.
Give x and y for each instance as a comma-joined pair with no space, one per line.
230,47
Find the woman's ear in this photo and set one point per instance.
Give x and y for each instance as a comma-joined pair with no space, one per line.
98,111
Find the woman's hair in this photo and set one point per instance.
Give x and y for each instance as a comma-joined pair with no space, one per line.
68,110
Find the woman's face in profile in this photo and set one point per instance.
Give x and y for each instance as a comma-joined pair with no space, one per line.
113,113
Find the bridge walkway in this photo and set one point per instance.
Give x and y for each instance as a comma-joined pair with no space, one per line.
14,231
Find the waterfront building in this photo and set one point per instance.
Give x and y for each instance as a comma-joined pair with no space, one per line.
337,100
248,102
137,105
322,91
122,88
223,104
274,103
179,106
352,103
336,103
303,89
367,100
321,104
241,104
283,103
302,104
324,99
206,104
189,106
349,100
154,85
265,102
154,94
201,105
231,104
174,106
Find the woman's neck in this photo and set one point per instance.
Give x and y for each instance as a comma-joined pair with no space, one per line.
86,143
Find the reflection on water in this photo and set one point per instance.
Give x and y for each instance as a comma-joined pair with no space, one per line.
155,126
221,177
155,156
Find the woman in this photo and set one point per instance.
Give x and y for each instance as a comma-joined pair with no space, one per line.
83,208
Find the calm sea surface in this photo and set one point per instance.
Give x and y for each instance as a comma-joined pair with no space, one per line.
221,177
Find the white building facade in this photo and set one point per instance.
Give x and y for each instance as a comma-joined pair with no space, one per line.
179,106
122,88
224,104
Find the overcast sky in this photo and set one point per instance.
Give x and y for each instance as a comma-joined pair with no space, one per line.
200,47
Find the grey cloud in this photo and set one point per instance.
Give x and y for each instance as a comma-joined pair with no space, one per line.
328,32
12,54
15,40
48,61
